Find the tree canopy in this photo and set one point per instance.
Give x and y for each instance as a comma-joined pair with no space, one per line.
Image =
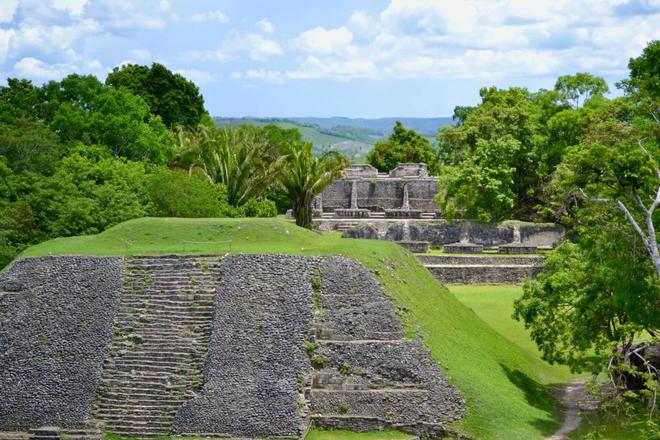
169,95
402,146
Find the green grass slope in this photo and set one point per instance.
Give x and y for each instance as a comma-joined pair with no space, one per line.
503,383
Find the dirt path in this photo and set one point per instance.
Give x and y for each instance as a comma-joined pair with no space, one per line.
575,399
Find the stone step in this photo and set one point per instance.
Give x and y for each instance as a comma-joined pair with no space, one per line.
485,274
129,416
133,403
469,260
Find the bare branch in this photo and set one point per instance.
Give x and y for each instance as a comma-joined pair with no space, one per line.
622,207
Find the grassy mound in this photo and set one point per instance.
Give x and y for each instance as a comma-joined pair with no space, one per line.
505,385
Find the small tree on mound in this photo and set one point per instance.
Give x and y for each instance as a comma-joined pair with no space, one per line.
305,176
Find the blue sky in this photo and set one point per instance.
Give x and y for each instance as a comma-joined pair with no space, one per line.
362,58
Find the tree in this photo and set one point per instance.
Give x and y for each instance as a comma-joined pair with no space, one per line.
30,145
241,158
169,95
490,162
80,108
592,298
305,176
581,86
599,294
402,146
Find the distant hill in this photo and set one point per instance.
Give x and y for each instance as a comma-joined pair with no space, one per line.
353,137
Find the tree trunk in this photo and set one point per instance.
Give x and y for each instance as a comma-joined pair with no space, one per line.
303,213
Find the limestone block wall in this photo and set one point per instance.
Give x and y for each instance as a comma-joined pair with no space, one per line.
441,232
380,194
56,318
371,376
257,351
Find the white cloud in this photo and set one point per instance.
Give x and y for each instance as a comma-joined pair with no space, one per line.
258,47
73,7
475,39
235,75
326,41
5,40
7,10
34,68
216,16
361,23
267,75
265,26
53,38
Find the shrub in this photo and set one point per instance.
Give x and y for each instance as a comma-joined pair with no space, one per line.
174,194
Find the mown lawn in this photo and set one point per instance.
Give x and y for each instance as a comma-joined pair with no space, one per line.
504,384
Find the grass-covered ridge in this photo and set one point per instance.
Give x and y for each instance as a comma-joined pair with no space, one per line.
503,383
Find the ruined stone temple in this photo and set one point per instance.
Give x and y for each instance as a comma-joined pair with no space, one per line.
241,346
400,206
405,192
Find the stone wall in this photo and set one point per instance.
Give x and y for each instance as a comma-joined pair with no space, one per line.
56,318
471,274
380,194
441,232
372,377
257,351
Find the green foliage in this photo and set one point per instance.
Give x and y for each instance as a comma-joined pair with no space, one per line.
81,109
256,208
317,361
242,158
169,95
645,72
572,88
85,196
305,176
489,161
402,146
30,146
174,194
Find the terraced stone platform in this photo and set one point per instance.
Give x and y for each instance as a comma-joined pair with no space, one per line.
482,269
369,376
203,345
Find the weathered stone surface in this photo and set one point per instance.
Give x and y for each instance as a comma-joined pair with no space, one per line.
379,194
485,259
419,247
371,377
463,248
515,248
57,317
55,329
483,274
410,170
257,350
360,170
441,232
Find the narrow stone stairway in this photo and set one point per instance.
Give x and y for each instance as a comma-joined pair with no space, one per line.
162,331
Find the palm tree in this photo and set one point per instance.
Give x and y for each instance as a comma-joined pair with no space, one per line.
305,176
241,158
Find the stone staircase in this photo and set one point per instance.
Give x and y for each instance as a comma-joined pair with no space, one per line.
162,331
481,269
346,225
